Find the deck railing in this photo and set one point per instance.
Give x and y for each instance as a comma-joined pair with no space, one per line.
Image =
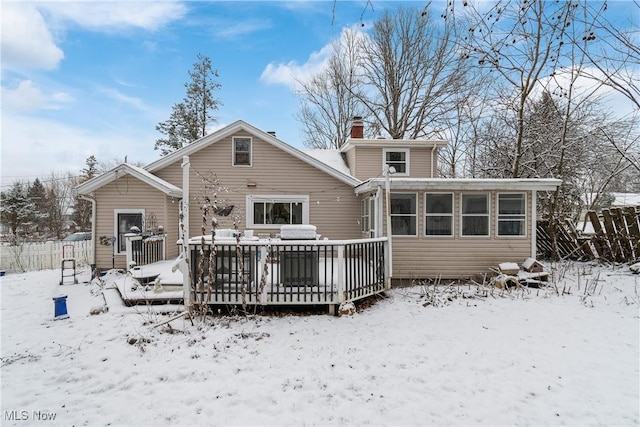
288,272
143,250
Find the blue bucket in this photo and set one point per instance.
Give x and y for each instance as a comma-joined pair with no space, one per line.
60,307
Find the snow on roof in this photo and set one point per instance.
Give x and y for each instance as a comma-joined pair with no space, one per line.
331,158
462,184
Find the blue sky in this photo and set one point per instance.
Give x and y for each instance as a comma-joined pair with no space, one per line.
94,78
82,78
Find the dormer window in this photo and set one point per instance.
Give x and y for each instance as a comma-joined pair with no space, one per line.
398,159
241,151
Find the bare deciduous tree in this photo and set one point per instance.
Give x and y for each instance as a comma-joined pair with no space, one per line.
614,59
520,42
327,100
411,70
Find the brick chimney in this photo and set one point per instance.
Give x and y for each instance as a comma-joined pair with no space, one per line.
357,128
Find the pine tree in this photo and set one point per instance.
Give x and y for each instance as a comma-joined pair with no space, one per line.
82,208
189,119
15,209
36,194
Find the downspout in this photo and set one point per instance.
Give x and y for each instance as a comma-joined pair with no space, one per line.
433,149
379,212
93,228
387,187
184,233
534,220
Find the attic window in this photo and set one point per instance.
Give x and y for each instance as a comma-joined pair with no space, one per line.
398,159
241,151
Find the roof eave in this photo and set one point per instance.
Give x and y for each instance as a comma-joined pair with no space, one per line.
241,125
471,184
90,186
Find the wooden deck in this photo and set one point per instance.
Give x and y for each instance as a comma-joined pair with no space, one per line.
264,272
277,272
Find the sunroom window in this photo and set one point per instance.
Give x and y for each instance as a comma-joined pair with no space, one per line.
438,214
475,214
511,214
403,214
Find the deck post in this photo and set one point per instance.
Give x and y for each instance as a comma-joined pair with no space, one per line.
264,253
129,238
184,229
341,262
387,191
534,225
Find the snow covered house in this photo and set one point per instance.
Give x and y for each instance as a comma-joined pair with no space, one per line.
438,227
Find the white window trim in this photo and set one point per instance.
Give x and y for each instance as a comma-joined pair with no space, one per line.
372,216
276,198
407,152
117,212
524,214
414,215
488,215
233,152
453,225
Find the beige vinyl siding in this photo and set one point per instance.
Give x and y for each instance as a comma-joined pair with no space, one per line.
369,162
333,206
457,256
129,193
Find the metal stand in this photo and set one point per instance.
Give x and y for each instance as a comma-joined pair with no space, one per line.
68,268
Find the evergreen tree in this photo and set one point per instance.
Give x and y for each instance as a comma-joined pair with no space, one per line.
189,119
82,208
36,194
15,209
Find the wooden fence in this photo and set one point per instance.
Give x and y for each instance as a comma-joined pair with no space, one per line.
615,237
43,256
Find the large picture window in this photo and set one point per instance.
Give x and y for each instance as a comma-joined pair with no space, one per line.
403,214
512,214
438,214
241,151
124,220
398,159
270,211
475,214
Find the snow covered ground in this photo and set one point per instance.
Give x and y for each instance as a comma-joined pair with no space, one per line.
519,359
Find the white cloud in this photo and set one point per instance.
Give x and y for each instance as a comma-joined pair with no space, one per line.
224,30
27,43
35,147
27,40
113,15
125,99
291,73
27,96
